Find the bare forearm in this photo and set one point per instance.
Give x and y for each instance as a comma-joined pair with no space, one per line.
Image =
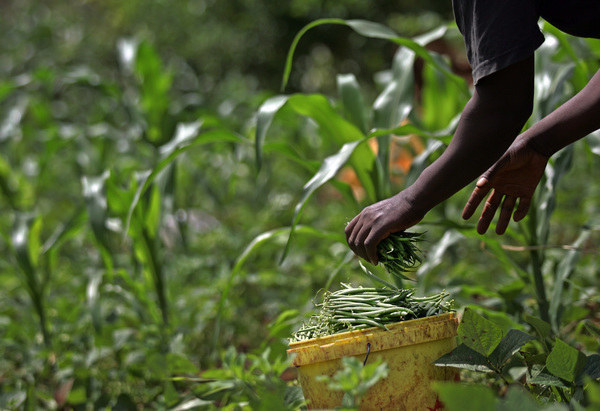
489,124
570,122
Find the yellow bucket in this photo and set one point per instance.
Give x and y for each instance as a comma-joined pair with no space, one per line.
409,348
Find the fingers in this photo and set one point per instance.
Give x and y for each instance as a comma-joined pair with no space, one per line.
371,243
508,204
356,239
522,208
489,209
363,237
479,193
505,212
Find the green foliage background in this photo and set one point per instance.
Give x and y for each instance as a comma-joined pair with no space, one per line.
141,242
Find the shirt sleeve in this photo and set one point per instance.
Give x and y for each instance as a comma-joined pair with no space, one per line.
497,33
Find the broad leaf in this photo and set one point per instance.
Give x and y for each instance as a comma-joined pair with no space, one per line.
565,361
508,346
479,333
518,399
460,397
464,357
590,370
542,328
545,378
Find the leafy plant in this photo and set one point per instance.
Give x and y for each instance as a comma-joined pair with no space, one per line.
544,366
355,379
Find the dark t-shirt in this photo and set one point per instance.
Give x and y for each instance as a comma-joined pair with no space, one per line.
499,33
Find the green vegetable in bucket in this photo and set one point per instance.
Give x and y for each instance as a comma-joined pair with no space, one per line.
355,308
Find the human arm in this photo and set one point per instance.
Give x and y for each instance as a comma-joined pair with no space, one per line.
493,117
518,172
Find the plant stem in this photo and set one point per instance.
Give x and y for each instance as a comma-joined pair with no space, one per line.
157,274
536,268
540,290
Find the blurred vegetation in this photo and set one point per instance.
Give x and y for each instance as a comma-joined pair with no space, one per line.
141,241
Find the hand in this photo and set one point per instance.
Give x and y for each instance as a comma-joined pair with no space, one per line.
514,176
377,221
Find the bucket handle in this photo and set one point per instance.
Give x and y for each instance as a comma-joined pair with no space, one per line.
368,352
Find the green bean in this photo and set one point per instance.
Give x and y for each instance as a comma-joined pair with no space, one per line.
359,308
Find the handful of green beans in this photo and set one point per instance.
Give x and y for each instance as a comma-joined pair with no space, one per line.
356,308
399,252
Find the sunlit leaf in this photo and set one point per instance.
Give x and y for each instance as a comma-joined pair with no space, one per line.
464,357
565,361
330,167
479,333
352,101
264,118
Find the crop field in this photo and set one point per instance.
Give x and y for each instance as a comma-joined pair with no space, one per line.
176,177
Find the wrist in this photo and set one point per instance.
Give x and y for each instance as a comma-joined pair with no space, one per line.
535,143
412,202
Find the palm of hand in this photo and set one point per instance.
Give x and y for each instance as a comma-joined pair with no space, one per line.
514,176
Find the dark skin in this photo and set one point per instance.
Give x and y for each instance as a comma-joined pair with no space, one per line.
487,144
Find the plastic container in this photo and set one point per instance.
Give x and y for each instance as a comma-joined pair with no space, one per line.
409,348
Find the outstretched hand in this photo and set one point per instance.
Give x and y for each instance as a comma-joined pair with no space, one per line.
514,176
377,221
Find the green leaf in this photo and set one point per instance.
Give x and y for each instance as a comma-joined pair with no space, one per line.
392,107
592,366
508,346
542,328
212,136
437,251
517,398
332,127
379,31
460,397
94,192
593,142
546,379
352,101
478,333
254,245
152,213
264,118
375,278
328,170
464,357
565,269
21,242
565,361
590,370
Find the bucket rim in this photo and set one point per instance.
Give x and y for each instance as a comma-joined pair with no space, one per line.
371,330
352,343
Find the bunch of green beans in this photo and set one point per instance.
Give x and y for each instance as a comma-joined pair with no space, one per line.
399,252
356,308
